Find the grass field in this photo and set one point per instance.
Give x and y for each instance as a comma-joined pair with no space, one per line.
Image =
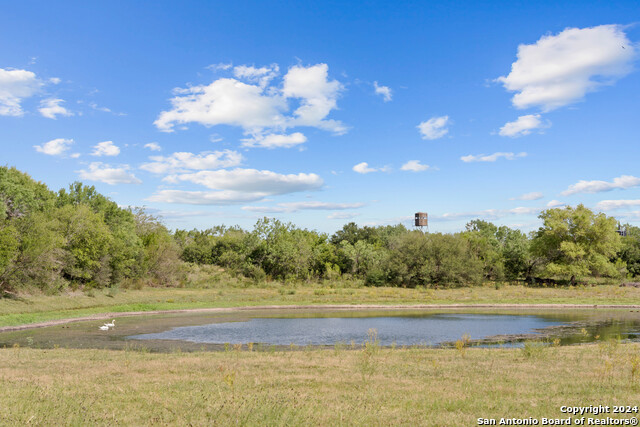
37,308
340,386
344,385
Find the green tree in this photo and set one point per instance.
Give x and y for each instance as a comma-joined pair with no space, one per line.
285,251
515,247
432,259
361,257
575,243
40,254
9,245
159,261
406,258
450,261
630,251
20,194
87,244
125,246
484,243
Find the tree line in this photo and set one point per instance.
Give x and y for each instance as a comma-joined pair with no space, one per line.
572,245
78,237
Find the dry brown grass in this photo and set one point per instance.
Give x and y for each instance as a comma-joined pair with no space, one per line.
317,387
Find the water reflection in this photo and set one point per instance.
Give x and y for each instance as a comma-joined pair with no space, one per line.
409,329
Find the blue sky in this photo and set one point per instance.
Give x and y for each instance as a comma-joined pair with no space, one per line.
328,112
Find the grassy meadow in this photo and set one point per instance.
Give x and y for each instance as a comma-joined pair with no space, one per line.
343,385
340,386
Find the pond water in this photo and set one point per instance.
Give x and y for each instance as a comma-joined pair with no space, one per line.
415,329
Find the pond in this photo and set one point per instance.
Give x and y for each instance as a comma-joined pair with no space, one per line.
281,327
430,329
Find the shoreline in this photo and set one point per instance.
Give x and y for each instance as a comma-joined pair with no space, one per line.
109,315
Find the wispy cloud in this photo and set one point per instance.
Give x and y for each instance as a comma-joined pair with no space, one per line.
414,166
491,157
524,125
186,161
153,146
51,108
102,172
536,195
275,140
364,168
490,214
297,206
105,148
342,215
220,198
434,128
384,91
55,147
621,182
236,186
610,205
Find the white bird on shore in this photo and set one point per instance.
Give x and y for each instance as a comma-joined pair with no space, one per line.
104,328
111,325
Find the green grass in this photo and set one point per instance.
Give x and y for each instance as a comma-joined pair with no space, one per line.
38,308
371,386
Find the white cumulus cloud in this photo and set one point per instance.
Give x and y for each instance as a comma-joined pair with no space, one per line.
225,101
15,86
317,95
491,157
105,148
561,69
434,128
384,91
414,166
50,108
252,102
621,182
185,161
524,125
102,172
55,147
275,140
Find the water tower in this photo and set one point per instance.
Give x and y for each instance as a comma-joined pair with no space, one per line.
422,221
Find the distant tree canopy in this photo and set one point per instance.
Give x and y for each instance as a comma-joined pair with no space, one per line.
573,244
78,237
